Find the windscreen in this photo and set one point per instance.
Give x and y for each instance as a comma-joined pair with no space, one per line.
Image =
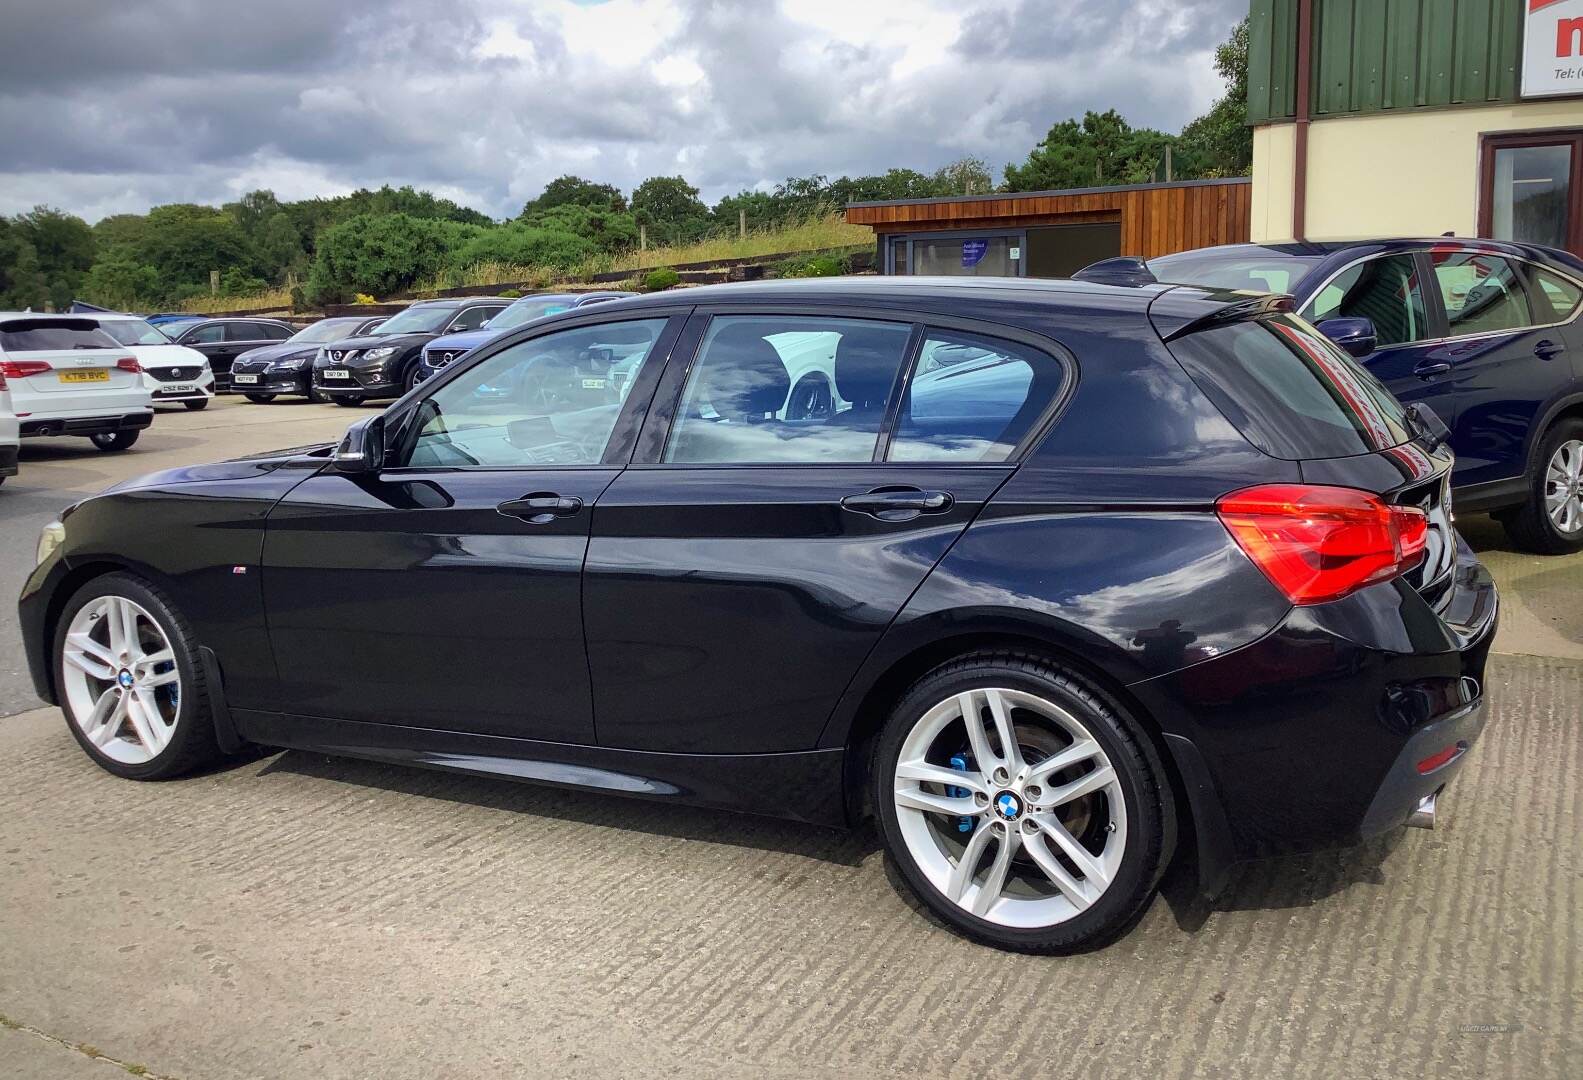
526,311
1290,391
416,320
133,332
325,330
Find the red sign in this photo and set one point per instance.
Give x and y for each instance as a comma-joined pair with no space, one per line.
1553,48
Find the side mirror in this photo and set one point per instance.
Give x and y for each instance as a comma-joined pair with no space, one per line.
362,448
1355,336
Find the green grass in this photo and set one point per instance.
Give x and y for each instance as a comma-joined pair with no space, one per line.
269,299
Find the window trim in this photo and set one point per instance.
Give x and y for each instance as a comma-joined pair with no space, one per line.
661,414
1442,327
1517,140
624,433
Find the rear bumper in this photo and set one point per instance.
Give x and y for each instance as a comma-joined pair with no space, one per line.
8,465
85,425
1310,738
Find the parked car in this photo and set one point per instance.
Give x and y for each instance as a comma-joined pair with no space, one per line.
9,438
442,350
1486,333
223,340
384,364
264,373
173,373
65,376
1039,636
169,321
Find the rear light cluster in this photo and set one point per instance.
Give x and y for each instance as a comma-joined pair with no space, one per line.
1320,543
21,369
127,363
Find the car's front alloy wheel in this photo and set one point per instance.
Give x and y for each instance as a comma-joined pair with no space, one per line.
130,683
1020,807
1551,521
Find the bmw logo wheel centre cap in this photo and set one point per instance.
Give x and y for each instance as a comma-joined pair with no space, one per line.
125,679
1008,806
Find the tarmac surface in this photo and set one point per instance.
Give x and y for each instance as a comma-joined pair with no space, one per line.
299,915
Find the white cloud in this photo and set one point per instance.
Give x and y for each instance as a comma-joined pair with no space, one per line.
497,97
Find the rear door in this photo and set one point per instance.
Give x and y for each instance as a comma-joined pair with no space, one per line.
742,568
1503,367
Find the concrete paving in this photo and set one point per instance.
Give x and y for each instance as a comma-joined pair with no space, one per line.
298,915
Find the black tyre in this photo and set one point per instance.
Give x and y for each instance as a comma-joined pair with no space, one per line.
347,401
1055,848
1551,521
197,405
114,441
260,399
413,378
130,682
316,397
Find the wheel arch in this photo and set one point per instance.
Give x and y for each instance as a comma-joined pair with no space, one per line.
1568,406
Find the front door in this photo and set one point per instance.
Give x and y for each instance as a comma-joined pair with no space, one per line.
741,570
444,590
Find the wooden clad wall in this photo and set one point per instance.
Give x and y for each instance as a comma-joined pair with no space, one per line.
1155,220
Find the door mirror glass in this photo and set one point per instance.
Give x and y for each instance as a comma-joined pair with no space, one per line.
362,448
1355,335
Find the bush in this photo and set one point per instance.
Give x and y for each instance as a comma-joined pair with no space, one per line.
520,244
817,266
509,294
382,254
661,279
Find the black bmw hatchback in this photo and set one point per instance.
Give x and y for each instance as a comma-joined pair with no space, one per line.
1054,581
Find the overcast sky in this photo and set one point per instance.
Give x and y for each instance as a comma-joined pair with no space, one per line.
106,108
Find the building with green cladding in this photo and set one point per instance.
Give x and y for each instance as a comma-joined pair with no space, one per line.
1417,117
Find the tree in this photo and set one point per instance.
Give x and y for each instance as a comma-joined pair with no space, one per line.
1103,150
571,190
964,176
1220,143
62,247
604,228
118,280
519,244
670,207
26,286
185,241
278,247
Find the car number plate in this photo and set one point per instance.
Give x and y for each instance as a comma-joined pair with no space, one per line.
246,379
333,373
84,376
179,388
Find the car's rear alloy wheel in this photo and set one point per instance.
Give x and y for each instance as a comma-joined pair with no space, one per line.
1020,807
1551,522
130,683
114,441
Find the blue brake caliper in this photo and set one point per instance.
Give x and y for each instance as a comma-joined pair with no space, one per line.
959,762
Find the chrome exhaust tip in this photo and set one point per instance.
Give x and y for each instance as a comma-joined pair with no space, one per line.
1424,816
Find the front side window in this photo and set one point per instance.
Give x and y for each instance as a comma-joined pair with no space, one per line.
1386,291
1481,293
973,399
472,319
787,389
1562,296
553,400
207,335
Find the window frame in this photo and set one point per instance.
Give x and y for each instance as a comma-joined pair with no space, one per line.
1489,144
1435,323
661,415
401,434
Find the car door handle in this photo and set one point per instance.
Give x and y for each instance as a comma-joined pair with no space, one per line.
1430,368
899,503
541,507
1547,349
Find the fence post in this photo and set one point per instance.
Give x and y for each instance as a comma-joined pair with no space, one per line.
742,224
214,283
643,237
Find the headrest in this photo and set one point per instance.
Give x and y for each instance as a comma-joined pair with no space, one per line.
743,376
866,360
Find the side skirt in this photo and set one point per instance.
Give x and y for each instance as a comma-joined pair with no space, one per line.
802,786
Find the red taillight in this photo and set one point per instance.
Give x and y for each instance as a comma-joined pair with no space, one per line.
21,369
127,363
1321,543
1441,758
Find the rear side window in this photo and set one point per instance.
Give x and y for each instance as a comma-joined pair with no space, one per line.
1482,293
1290,392
972,399
1562,296
41,335
1386,291
207,335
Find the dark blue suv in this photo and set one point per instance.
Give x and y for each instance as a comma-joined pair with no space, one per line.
1485,333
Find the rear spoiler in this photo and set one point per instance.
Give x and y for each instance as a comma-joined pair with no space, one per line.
1251,306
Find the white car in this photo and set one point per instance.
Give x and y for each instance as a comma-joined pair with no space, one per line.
65,376
171,372
8,433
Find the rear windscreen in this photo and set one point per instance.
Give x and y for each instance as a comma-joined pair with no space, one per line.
1291,392
42,335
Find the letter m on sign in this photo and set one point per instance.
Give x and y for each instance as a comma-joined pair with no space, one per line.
1569,37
